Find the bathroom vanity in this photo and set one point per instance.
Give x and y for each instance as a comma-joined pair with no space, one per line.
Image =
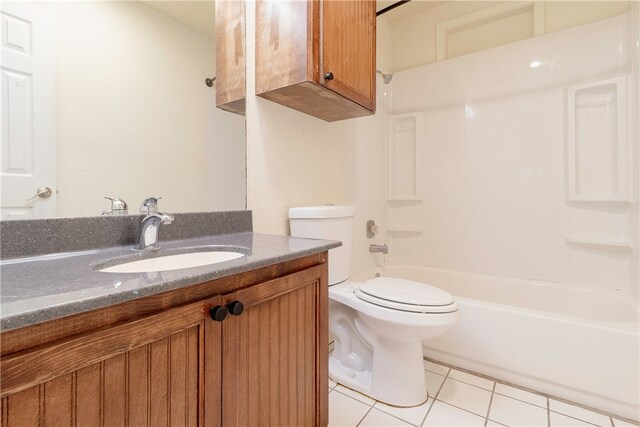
157,349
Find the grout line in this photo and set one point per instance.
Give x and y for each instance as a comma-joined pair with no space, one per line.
351,397
571,416
524,401
365,416
391,415
548,414
434,397
493,392
462,409
611,420
548,396
475,385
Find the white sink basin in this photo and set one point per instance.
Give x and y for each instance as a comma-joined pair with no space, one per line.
173,262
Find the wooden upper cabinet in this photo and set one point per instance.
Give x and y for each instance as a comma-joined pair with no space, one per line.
230,56
317,56
349,49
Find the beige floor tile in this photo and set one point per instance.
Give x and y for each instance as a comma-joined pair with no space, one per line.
434,381
516,413
442,415
621,423
354,394
465,396
559,420
377,418
471,379
520,394
579,413
413,415
345,411
435,368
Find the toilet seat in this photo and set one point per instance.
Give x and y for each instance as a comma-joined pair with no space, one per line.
406,295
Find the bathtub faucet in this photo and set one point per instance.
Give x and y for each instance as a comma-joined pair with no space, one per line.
384,249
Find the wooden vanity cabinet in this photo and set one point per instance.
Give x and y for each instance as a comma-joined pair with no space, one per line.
274,359
317,56
267,365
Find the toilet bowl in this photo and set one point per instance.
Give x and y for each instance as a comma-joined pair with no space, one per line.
378,325
378,349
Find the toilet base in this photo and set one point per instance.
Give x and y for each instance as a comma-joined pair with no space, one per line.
396,377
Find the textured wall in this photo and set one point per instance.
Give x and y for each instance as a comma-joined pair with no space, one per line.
292,159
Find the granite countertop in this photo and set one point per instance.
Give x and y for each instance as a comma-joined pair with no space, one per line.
48,287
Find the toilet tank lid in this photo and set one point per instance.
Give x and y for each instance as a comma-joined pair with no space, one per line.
327,211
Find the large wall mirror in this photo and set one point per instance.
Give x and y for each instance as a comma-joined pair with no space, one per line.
108,99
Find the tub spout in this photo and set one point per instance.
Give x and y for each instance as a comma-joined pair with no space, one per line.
379,248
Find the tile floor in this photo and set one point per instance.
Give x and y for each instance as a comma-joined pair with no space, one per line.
462,399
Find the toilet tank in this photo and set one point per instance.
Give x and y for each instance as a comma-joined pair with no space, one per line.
330,223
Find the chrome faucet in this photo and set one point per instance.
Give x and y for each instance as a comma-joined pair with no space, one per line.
118,207
150,225
384,249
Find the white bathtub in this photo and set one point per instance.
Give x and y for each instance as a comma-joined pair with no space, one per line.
576,344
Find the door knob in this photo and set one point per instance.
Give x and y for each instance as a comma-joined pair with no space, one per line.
42,192
328,76
236,308
218,313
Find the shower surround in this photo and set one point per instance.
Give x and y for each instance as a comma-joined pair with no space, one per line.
521,163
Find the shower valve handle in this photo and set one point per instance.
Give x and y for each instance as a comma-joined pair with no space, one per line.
328,76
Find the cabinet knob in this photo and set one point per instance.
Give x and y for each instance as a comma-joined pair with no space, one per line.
328,76
236,308
218,313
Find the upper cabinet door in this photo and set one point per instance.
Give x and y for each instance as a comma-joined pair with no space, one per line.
230,56
348,49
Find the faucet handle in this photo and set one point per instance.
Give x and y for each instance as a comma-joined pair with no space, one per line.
118,207
150,205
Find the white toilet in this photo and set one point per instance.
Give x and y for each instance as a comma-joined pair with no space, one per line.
379,324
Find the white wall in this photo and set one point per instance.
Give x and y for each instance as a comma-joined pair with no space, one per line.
494,158
134,117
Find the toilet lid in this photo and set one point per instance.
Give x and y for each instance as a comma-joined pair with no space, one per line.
406,295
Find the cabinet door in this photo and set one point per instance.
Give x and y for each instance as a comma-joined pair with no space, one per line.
150,371
274,365
349,49
230,56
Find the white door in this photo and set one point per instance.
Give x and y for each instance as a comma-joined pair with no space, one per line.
28,112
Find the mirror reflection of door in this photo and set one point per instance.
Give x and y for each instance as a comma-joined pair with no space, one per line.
109,99
28,113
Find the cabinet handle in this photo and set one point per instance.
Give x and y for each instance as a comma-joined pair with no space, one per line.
235,308
218,313
328,76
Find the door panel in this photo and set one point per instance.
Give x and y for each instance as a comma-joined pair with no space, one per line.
272,363
349,49
28,111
